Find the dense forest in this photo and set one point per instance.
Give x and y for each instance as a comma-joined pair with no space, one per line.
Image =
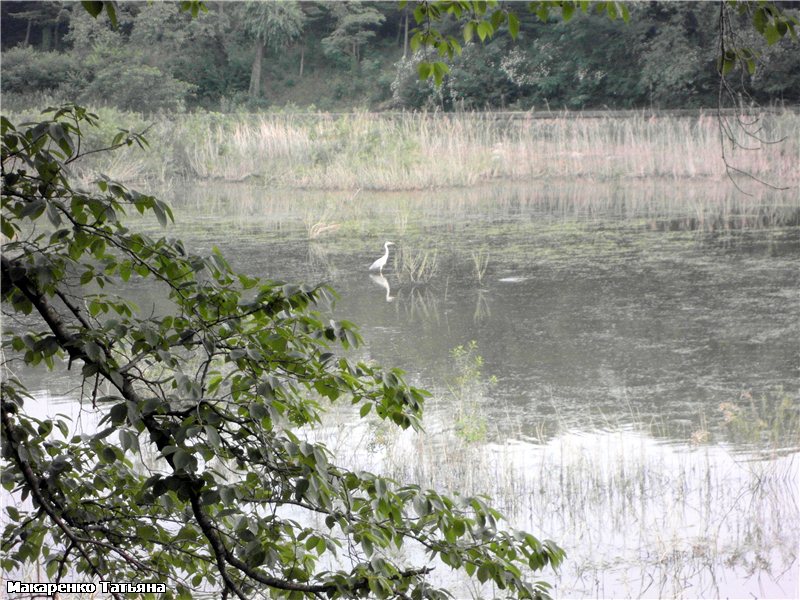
355,55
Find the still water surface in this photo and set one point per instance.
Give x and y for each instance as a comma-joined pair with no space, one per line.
589,317
636,396
628,379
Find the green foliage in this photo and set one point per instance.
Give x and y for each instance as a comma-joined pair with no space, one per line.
355,23
549,65
483,19
129,71
96,7
681,33
215,395
469,389
483,54
275,24
765,418
137,87
675,57
27,70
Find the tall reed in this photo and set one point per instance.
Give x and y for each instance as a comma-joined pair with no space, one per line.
416,267
419,150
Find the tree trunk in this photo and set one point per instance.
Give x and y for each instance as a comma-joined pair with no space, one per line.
255,73
405,38
47,38
302,56
28,33
399,32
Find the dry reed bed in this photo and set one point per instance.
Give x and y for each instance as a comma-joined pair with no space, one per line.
420,151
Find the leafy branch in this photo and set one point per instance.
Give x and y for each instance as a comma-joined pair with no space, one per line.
198,445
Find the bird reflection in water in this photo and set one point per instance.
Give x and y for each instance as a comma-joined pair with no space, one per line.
381,281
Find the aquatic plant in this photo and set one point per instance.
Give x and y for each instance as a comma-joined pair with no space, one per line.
416,267
469,388
480,261
768,421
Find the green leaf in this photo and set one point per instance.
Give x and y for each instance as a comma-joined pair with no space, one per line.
128,440
7,228
483,573
53,215
469,31
213,437
497,19
626,14
116,378
93,351
108,454
182,459
93,7
440,69
421,506
771,34
161,215
455,47
513,25
424,69
485,30
111,11
543,12
119,413
760,19
366,544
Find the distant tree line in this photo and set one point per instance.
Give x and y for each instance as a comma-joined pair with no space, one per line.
252,55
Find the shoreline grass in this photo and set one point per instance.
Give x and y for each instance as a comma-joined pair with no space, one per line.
415,151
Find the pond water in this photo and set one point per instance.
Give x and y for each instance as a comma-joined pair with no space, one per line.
616,365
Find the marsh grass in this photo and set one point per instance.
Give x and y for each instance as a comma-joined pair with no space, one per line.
767,422
637,516
416,266
420,150
480,261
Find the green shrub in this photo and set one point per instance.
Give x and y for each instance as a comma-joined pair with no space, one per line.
27,71
138,88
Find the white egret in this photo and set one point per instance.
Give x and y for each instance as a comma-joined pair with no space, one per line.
381,262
